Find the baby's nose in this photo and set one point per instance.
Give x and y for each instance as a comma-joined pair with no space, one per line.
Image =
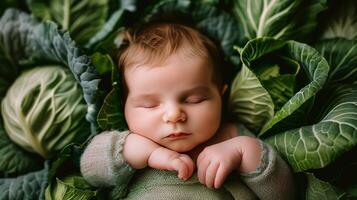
174,114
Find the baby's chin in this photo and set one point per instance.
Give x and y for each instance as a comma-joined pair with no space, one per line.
181,147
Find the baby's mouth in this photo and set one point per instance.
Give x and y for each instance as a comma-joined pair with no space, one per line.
178,135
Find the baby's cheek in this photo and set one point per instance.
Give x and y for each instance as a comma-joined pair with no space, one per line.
135,121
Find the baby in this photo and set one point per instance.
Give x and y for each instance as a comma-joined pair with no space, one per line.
172,88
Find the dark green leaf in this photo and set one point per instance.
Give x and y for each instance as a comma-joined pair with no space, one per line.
27,187
342,172
341,54
14,159
281,89
341,20
216,23
109,28
315,146
103,63
15,38
317,190
111,114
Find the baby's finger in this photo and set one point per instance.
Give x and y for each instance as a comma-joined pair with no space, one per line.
200,157
211,174
181,168
190,166
221,175
201,170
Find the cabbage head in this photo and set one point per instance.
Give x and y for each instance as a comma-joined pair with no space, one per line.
44,110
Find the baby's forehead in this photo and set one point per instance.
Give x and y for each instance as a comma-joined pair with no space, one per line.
178,58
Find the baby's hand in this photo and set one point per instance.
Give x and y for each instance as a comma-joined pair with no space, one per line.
166,159
217,161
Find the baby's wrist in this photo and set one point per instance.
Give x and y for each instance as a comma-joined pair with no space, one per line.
138,157
250,151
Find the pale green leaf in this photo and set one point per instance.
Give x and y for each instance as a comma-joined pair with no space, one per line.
70,188
279,19
249,102
82,19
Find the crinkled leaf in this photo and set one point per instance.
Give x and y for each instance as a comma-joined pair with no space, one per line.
313,74
82,19
44,110
278,76
250,103
315,69
43,43
8,72
317,145
317,190
111,115
15,38
341,20
341,54
27,187
280,19
50,45
71,187
281,89
14,159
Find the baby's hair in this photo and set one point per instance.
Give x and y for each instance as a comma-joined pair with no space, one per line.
153,43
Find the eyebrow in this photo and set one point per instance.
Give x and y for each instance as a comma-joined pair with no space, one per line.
141,97
198,89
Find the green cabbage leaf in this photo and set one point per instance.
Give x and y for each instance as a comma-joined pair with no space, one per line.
26,43
276,85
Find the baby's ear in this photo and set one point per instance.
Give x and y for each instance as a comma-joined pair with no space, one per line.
224,89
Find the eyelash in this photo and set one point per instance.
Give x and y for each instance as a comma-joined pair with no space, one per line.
195,100
148,106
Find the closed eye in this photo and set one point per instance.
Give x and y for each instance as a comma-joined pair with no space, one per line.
195,99
148,105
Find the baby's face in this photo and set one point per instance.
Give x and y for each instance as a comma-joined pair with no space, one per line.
176,104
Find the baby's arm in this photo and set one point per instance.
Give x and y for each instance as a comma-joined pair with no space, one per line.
259,165
141,152
217,161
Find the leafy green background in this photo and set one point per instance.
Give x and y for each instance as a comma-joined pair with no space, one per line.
308,114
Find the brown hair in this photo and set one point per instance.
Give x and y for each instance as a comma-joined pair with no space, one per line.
154,43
